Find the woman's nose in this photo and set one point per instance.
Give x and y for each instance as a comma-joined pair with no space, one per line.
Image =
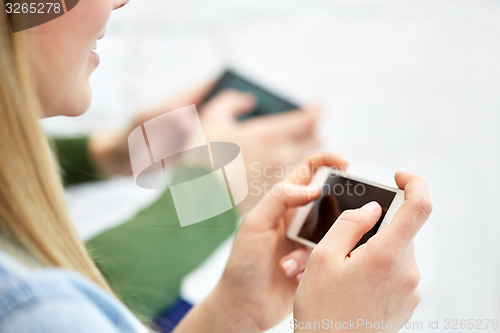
119,3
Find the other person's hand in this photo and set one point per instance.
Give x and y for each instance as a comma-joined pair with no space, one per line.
268,143
109,150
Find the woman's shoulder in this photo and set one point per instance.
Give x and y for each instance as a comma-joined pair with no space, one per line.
52,299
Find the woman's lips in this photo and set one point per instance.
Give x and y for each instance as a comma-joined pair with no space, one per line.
94,57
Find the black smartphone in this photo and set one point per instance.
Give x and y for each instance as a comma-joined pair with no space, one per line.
267,102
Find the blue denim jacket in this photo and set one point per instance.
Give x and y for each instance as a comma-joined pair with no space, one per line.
57,300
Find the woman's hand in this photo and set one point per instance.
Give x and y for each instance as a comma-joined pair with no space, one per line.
254,293
377,282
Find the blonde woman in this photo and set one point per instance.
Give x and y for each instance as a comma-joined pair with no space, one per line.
48,283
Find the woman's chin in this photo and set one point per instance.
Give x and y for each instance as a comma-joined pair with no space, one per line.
78,106
74,106
78,110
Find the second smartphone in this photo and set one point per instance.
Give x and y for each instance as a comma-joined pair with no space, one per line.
266,102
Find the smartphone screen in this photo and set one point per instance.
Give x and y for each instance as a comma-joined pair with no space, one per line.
266,102
338,194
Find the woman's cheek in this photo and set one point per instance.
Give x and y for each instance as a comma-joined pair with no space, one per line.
60,52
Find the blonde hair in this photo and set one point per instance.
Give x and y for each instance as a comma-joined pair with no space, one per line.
33,211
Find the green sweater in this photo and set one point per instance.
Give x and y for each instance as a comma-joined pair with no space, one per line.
146,257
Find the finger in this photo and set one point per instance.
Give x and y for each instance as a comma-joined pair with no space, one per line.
289,153
306,170
289,124
193,95
268,212
314,112
415,299
412,214
307,144
230,103
349,228
196,94
411,251
295,262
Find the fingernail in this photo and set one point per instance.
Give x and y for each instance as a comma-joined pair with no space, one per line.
289,266
372,206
